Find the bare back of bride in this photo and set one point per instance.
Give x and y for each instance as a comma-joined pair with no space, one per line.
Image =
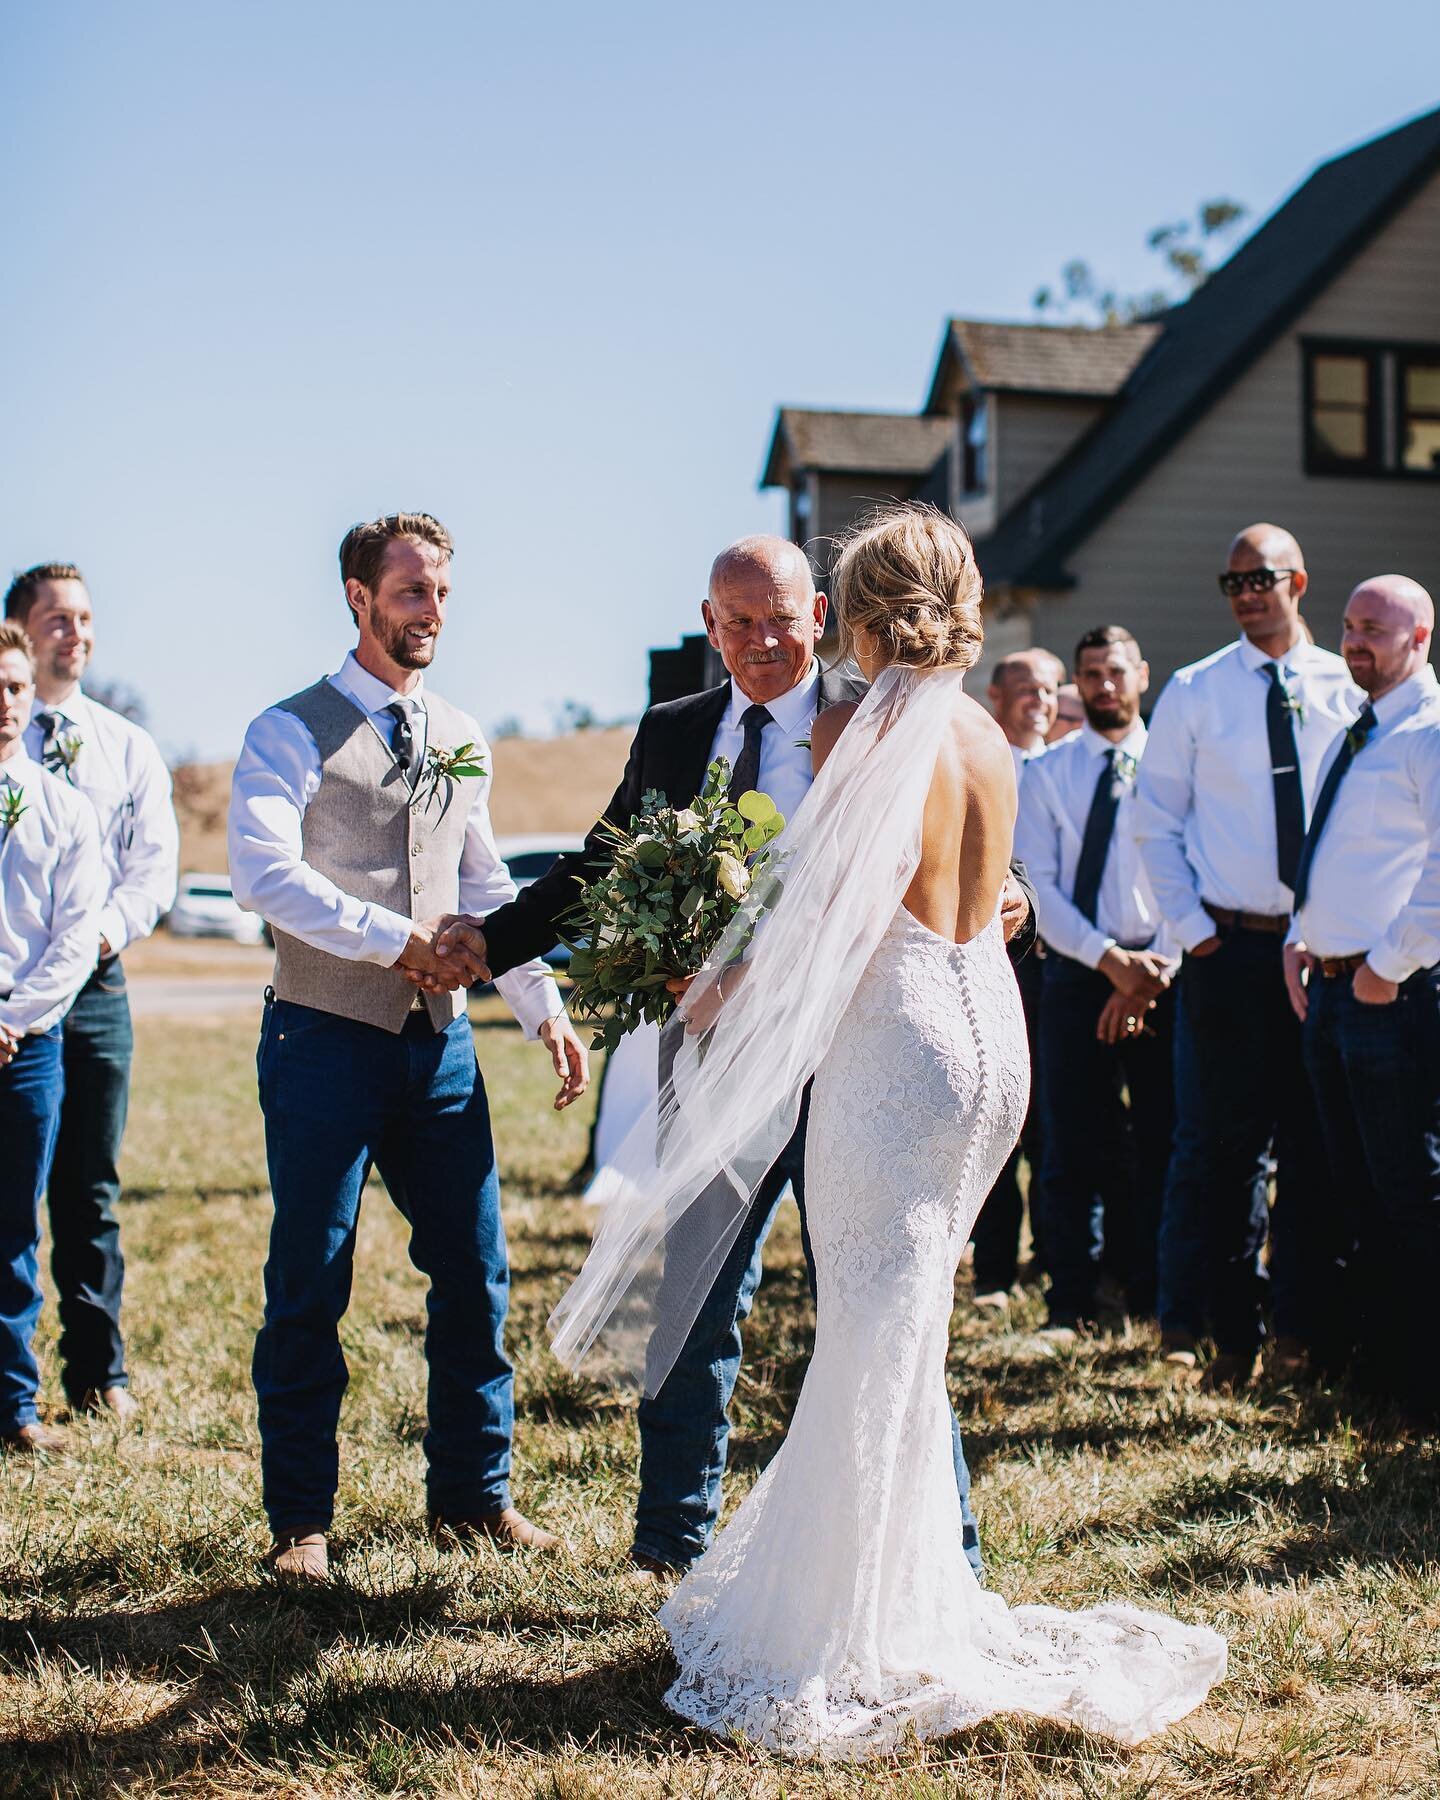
836,1614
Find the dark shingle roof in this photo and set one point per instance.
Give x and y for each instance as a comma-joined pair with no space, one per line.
859,443
1210,341
1043,359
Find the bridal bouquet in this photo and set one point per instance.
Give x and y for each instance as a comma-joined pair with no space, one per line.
678,878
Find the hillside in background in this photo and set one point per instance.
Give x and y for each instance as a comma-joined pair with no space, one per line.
541,784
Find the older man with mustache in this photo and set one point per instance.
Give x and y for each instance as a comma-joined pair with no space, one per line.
763,615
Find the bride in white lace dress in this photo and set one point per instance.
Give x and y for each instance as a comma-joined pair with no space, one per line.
836,1613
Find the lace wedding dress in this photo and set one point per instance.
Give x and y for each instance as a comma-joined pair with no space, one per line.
836,1612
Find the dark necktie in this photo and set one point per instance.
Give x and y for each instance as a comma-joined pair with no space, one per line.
402,741
753,721
1285,772
1351,745
50,724
1095,845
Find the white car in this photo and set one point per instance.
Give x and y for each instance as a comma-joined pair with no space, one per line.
206,907
527,855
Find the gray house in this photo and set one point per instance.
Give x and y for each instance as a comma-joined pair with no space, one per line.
1102,471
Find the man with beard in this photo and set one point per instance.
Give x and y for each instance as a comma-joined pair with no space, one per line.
1232,763
1104,1003
359,820
116,765
1363,968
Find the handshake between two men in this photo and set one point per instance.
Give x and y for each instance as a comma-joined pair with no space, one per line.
448,952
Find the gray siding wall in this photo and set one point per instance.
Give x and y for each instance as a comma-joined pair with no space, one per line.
1151,564
840,500
1029,435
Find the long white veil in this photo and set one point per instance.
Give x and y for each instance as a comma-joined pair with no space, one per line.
676,1193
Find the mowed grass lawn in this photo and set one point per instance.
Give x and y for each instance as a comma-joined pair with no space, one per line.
144,1652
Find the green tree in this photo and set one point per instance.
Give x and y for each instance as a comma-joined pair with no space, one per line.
1189,248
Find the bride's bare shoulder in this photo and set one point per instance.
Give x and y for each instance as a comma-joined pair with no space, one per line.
825,732
983,743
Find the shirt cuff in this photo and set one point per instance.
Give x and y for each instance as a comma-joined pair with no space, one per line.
531,996
113,928
1094,948
1391,964
383,936
1194,928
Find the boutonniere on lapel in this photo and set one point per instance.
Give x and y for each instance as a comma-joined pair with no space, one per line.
803,743
63,754
12,810
1126,768
442,769
1357,736
1293,704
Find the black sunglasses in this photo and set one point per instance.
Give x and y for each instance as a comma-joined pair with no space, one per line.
1257,581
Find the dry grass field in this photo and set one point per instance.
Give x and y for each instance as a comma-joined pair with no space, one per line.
143,1652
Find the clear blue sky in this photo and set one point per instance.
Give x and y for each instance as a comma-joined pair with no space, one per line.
546,272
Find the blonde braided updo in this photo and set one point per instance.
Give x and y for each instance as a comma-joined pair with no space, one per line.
907,575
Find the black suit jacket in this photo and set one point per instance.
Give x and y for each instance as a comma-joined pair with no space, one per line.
671,752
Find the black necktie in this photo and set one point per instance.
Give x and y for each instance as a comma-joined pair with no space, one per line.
1351,745
1095,845
1285,772
753,721
50,757
402,741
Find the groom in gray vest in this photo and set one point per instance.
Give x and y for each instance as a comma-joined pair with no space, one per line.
359,818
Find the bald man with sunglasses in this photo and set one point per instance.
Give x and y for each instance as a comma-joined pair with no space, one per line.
1223,798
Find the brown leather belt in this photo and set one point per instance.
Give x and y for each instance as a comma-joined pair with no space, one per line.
1334,967
1243,921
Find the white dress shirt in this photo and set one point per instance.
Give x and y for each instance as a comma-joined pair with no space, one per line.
1205,819
120,771
1375,877
277,776
1055,799
1020,757
52,889
786,772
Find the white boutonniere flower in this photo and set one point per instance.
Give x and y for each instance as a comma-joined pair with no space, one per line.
443,768
12,809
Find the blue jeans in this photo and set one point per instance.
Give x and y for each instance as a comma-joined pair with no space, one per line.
1105,1162
85,1257
31,1087
685,1427
339,1097
1241,1092
1375,1071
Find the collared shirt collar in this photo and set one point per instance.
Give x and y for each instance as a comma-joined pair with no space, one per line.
369,691
73,711
17,767
1407,696
1296,657
1132,743
790,711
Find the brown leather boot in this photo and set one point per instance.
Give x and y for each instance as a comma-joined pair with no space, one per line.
508,1529
299,1556
1231,1371
34,1439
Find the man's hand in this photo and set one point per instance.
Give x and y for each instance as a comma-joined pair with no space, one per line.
1371,989
9,1045
1122,1018
1206,947
571,1060
1299,965
1014,907
1138,975
444,954
105,949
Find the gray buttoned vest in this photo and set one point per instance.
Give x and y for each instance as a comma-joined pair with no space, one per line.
367,834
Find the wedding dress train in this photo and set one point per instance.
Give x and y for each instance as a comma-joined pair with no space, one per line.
836,1612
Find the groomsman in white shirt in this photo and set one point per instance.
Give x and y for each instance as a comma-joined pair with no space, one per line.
1363,969
1022,695
51,889
1104,1005
1232,762
119,770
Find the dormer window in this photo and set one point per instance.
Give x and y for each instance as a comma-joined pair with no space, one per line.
974,444
1372,409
